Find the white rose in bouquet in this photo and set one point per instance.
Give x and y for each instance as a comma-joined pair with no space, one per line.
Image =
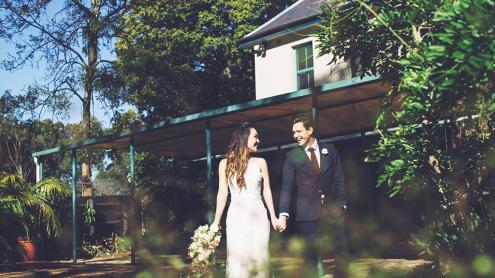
202,247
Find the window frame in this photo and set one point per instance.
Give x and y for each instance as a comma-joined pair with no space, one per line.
298,72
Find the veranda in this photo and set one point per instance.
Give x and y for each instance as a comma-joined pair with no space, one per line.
343,110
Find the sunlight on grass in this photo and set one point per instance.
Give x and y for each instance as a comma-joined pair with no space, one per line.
483,265
387,267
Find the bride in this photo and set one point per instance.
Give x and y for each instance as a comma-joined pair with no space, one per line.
248,228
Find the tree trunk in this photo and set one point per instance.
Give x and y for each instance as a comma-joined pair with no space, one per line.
92,48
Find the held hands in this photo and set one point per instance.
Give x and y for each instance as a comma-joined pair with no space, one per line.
279,224
274,221
282,224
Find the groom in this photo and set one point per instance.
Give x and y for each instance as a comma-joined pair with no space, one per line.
313,174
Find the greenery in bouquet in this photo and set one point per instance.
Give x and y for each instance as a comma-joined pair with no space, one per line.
204,242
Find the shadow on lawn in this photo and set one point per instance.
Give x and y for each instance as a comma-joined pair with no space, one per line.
175,266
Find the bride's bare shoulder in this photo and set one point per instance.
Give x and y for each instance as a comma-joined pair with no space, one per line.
260,161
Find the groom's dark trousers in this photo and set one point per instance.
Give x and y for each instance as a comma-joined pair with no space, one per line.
322,239
309,232
311,216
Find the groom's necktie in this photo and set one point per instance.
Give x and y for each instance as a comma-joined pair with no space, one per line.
314,161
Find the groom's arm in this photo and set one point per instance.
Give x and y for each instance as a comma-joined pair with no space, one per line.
338,178
288,181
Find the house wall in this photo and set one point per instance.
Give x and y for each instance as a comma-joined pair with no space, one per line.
275,68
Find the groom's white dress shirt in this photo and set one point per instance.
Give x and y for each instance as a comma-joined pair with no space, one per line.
317,151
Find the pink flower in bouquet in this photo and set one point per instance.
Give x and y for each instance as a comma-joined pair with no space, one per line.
215,242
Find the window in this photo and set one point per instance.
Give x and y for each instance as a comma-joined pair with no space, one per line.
304,70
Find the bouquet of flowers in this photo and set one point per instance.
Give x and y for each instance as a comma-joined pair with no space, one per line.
202,247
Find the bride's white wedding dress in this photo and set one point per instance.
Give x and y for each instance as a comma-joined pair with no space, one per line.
248,228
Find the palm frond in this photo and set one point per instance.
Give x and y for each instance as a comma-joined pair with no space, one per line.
52,188
7,179
49,218
33,202
9,183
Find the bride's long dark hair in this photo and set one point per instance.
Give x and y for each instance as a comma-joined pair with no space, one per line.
238,155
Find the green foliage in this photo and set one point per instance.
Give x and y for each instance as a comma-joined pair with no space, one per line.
107,246
19,138
21,133
36,101
33,202
77,133
180,57
113,179
66,38
89,213
26,210
439,58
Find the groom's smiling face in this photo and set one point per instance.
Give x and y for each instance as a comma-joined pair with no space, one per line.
301,134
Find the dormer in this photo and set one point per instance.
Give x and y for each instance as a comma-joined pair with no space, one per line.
286,52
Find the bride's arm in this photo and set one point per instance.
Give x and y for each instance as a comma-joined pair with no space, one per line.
223,192
267,192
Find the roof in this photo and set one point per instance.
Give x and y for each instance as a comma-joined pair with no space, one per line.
299,15
344,106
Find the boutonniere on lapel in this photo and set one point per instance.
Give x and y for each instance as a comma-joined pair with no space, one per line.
324,151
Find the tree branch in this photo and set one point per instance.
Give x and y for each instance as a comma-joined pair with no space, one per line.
39,27
106,61
107,18
367,7
86,11
74,91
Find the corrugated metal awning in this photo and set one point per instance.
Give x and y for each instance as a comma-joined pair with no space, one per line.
344,106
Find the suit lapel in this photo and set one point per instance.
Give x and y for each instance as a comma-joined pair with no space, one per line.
303,156
324,159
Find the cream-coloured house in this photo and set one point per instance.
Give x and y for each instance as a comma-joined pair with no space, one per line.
287,62
286,52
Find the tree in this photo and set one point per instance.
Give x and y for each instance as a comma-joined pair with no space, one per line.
26,211
114,177
19,139
180,57
67,36
16,139
439,58
21,133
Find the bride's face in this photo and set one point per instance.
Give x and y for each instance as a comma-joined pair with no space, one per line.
253,141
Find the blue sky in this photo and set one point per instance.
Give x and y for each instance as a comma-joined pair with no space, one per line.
18,81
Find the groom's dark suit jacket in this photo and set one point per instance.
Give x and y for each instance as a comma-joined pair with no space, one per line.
306,185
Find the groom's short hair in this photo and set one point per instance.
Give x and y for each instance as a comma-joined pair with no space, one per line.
306,120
